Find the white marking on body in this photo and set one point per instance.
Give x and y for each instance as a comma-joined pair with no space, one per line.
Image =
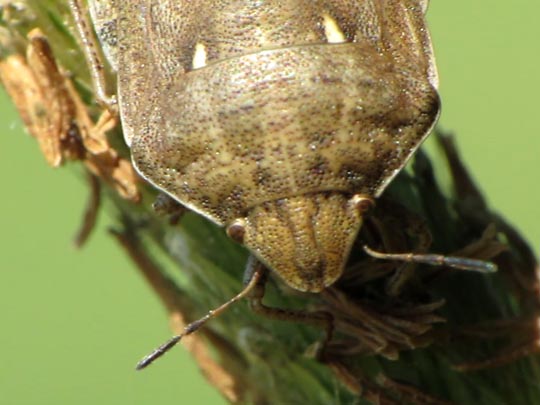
333,33
199,57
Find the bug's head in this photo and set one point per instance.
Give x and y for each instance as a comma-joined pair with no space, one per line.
305,239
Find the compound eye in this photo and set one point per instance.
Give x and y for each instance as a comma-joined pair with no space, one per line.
237,230
362,203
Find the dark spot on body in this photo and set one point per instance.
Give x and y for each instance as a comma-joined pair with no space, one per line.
206,202
262,176
320,167
108,33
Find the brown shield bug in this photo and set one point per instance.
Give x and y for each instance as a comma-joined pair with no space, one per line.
279,120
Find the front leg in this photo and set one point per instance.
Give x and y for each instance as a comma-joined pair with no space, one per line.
92,53
321,319
169,207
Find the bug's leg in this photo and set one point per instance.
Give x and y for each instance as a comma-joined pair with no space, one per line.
92,55
255,277
167,206
321,319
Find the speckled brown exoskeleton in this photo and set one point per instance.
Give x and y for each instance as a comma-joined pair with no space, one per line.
280,120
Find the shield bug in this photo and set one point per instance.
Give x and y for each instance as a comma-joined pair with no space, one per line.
279,120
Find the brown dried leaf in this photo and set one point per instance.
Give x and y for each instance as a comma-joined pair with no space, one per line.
55,115
38,96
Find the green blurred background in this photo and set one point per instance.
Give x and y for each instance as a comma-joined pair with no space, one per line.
73,323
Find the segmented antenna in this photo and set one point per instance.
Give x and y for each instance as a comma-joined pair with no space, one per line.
194,326
461,263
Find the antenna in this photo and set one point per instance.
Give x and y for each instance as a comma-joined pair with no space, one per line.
461,263
194,326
